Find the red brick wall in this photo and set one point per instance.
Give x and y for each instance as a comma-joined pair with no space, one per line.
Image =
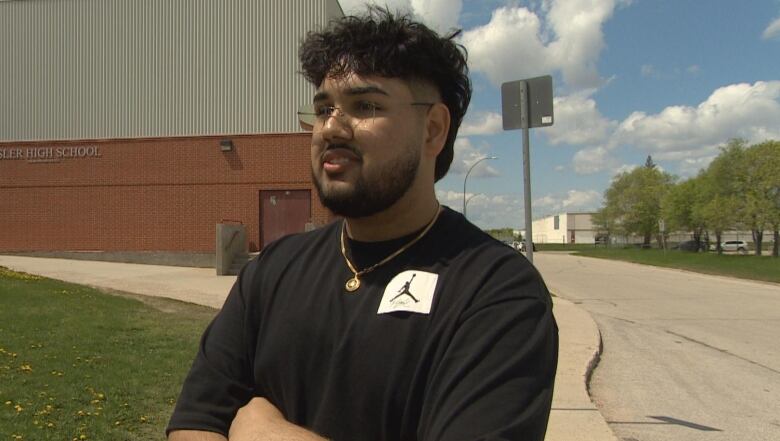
162,194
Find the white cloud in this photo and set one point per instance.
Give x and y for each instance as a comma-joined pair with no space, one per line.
625,168
563,35
578,122
690,167
571,201
452,199
688,135
560,168
487,211
593,160
576,200
466,155
481,123
773,30
441,15
506,210
682,132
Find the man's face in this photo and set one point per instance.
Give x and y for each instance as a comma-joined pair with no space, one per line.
366,154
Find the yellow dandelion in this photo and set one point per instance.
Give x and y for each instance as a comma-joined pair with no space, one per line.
8,403
18,408
143,419
50,425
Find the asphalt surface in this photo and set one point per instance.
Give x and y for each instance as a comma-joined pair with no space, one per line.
686,356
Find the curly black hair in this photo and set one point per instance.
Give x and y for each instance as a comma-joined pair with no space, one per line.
389,45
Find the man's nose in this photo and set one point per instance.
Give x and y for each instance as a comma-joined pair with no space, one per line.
336,126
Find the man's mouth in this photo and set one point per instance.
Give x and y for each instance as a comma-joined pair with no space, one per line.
339,159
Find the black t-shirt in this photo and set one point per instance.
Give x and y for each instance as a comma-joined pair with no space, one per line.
454,339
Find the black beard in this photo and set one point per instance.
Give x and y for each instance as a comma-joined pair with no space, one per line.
369,198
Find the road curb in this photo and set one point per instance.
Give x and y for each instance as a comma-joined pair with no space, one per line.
594,362
574,415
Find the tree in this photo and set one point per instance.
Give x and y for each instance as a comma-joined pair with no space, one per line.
604,222
763,191
502,233
723,189
682,208
633,202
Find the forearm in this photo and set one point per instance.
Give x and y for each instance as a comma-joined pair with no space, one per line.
259,420
195,435
283,431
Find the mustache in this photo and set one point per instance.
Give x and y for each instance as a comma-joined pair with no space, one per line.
348,147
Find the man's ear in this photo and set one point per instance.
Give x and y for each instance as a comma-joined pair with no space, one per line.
437,126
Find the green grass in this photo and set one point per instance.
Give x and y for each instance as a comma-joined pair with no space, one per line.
764,268
565,246
80,364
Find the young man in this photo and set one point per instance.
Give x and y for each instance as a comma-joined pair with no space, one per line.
402,321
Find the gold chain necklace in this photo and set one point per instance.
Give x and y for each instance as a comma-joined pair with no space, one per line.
353,283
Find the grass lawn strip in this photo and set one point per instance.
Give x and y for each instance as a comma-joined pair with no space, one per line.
763,268
79,364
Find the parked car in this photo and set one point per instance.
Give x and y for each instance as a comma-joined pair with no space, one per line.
732,245
690,245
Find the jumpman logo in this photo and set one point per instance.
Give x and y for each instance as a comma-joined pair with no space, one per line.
404,291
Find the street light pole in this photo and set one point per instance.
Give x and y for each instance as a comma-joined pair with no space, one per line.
467,176
469,200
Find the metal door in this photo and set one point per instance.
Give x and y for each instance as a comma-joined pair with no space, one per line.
283,212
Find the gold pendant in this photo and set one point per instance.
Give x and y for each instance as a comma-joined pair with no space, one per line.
352,284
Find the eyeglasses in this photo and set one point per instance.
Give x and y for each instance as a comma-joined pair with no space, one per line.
355,113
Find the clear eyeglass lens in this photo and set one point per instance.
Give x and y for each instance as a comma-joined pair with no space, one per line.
356,114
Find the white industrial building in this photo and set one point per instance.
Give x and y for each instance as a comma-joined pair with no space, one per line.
564,228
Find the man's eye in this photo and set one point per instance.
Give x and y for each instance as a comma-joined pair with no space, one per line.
365,108
323,110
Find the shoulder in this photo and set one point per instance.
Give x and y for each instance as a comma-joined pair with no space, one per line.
299,247
493,270
463,241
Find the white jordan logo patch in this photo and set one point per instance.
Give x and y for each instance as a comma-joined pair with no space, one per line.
410,291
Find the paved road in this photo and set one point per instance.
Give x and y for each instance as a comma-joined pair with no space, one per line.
686,356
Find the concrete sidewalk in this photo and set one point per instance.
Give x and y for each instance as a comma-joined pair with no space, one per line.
574,417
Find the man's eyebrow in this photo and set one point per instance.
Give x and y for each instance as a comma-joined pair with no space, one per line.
362,90
352,91
321,96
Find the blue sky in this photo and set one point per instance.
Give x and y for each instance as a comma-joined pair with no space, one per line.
674,79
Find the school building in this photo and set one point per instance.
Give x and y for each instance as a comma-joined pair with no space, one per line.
131,129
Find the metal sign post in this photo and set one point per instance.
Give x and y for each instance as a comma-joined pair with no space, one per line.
526,104
529,234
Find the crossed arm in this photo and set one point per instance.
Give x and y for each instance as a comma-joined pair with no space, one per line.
494,377
259,420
